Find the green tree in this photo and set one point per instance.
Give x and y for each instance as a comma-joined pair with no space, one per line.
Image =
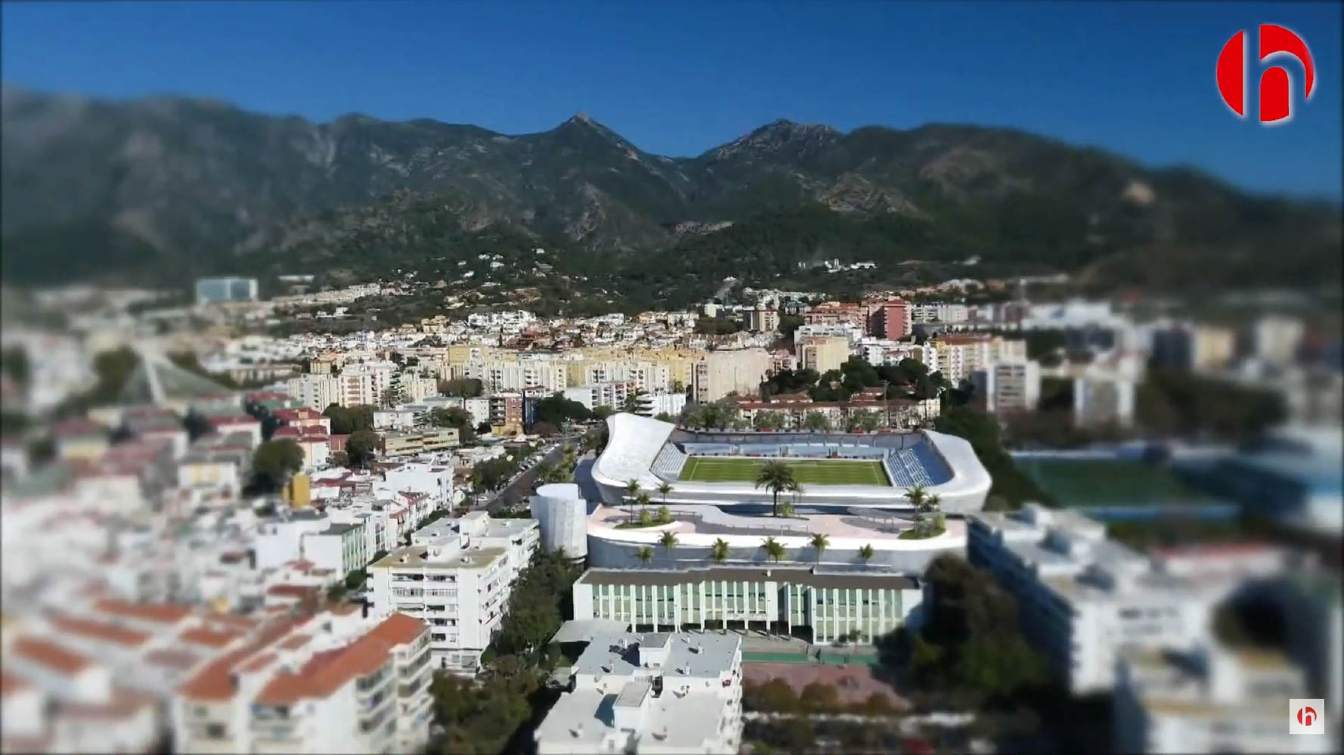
632,488
773,549
866,553
347,420
777,477
719,550
669,541
454,417
361,447
818,697
819,542
644,555
816,422
462,387
664,488
768,421
274,461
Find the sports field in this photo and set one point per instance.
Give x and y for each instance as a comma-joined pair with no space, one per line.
807,472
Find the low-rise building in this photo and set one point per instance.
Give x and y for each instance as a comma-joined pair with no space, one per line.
416,442
650,693
833,604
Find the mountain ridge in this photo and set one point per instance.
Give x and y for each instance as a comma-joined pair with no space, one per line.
199,184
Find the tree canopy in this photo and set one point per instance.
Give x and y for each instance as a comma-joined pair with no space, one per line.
274,461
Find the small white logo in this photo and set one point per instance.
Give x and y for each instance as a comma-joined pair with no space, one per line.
1306,716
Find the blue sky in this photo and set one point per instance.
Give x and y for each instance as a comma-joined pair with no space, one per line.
680,78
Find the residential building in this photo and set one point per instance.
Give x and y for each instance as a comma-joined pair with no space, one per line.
1081,597
890,319
220,290
315,391
335,682
1209,699
649,693
725,371
653,404
822,353
762,320
459,583
396,443
611,394
1008,386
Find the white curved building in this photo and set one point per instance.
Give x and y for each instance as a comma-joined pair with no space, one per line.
562,513
651,453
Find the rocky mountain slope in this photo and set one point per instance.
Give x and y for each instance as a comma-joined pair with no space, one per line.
181,186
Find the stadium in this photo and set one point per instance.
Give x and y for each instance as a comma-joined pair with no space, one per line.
835,470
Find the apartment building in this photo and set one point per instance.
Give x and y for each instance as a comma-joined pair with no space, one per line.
668,693
332,682
1209,699
1083,598
398,443
458,581
878,351
890,319
612,394
724,371
836,313
960,354
315,391
653,404
505,373
762,320
507,412
822,353
366,383
1008,386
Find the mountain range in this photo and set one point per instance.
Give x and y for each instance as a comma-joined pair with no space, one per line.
169,187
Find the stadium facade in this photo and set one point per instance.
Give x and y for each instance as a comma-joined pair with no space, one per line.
652,453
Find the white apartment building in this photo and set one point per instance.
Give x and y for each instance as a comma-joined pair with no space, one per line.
500,374
959,355
880,351
1209,699
612,394
366,382
315,391
653,404
939,312
669,692
336,682
646,376
458,578
1008,386
1082,598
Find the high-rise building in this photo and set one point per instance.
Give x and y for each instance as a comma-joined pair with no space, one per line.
215,290
823,353
890,319
724,371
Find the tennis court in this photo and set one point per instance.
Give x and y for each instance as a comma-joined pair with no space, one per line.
806,471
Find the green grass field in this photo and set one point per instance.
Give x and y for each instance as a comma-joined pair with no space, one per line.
1087,482
807,472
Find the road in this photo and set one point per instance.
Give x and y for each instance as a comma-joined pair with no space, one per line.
521,485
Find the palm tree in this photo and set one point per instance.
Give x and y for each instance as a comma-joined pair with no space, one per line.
719,551
664,488
819,543
866,553
645,554
916,495
669,541
631,489
773,549
777,478
643,500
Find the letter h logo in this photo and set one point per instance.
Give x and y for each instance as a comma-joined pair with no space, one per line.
1275,93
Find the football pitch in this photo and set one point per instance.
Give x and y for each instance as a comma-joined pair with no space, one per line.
806,471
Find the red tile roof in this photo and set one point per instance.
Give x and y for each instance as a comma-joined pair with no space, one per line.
164,613
209,637
100,630
51,655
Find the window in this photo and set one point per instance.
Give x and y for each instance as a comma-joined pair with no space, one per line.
214,731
